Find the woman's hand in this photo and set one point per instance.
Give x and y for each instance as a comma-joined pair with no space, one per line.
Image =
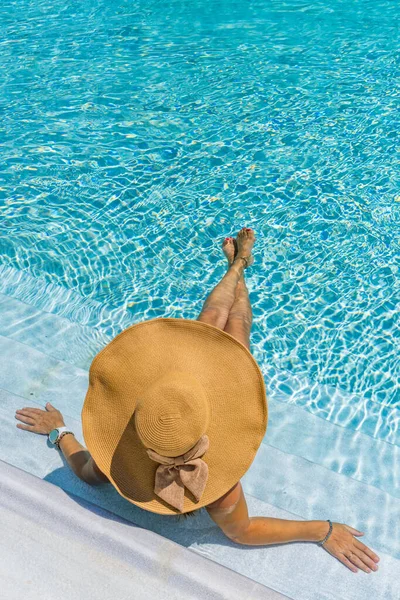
40,421
350,551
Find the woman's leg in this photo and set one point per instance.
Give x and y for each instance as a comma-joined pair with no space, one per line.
241,315
219,303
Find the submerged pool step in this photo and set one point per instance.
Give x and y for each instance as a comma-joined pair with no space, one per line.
38,378
335,405
55,299
351,453
52,334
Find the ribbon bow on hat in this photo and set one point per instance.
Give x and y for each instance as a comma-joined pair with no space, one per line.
175,473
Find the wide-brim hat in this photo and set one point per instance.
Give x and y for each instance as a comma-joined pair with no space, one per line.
160,387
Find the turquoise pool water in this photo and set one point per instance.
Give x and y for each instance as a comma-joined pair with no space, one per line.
136,136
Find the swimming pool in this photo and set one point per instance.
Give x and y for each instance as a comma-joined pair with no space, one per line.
137,136
131,152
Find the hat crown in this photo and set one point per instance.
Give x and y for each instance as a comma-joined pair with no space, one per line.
172,414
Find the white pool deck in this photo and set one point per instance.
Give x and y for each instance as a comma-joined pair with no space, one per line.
51,541
62,538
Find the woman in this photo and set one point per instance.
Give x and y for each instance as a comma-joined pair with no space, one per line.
189,397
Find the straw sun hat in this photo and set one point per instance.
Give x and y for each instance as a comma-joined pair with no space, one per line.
174,415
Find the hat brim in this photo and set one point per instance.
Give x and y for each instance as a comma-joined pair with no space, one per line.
131,362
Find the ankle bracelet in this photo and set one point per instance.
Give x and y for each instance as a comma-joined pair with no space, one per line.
245,260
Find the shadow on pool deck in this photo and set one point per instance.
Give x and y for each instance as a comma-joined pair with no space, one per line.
183,531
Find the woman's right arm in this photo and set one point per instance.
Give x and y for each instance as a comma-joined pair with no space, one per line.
231,515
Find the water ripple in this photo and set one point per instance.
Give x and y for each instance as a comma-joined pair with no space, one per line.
136,137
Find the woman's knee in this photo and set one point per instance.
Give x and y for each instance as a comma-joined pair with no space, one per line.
239,329
213,316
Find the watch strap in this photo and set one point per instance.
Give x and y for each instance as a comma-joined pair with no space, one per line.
61,429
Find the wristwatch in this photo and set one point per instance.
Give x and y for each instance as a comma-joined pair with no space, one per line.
55,435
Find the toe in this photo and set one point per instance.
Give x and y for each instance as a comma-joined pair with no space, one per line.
227,242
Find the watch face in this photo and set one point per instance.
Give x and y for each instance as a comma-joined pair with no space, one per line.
53,435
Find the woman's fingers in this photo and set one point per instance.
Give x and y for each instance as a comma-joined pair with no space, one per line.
31,418
26,427
367,550
35,428
358,562
366,559
29,411
40,421
25,419
351,552
353,530
346,562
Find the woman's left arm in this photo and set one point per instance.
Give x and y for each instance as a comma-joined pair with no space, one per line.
77,456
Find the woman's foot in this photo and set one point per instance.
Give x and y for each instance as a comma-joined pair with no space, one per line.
245,241
229,247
